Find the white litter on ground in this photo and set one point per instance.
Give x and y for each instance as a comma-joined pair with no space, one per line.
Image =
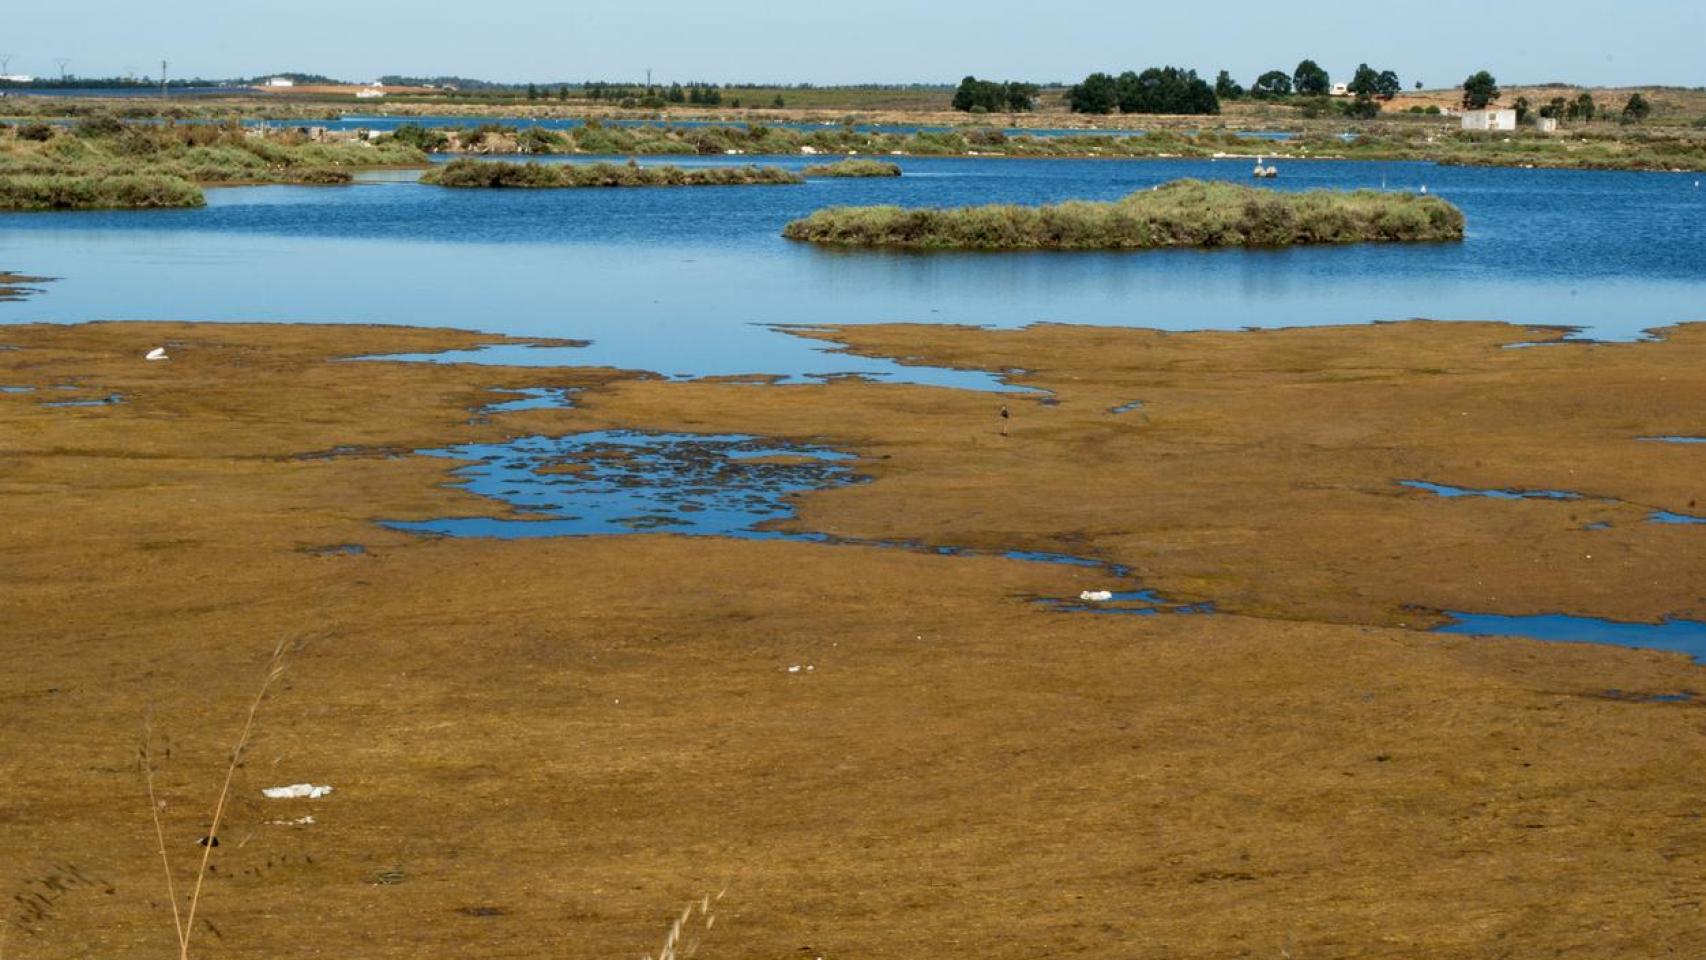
298,822
296,791
1096,596
158,353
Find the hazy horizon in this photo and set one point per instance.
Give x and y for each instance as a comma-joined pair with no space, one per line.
885,42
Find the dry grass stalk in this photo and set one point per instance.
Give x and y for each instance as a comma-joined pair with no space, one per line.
184,923
673,945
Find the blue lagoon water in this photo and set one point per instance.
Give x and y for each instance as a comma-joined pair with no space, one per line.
689,281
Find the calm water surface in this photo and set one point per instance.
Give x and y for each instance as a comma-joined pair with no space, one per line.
686,281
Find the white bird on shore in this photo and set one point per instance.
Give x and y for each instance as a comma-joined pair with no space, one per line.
158,353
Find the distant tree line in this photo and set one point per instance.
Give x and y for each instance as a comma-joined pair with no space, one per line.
1155,90
990,96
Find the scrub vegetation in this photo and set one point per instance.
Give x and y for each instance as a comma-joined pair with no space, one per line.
854,168
103,162
1609,148
491,173
1185,213
125,191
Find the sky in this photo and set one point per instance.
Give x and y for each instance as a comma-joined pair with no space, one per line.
876,41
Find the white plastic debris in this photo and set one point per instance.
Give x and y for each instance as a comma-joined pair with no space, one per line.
158,353
298,822
1096,596
296,791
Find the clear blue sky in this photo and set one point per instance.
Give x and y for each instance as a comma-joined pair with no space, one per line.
1651,41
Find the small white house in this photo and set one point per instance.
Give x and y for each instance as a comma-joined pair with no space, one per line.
1547,124
281,82
1490,119
369,93
1341,89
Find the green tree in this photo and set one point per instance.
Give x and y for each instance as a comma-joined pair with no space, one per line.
1366,83
1523,108
1227,88
1171,90
1310,80
1098,93
1387,85
1021,97
974,94
563,92
676,94
1480,90
532,92
1584,108
1637,109
1274,83
778,103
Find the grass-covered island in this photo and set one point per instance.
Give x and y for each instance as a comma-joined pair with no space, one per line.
1184,213
496,173
854,168
102,163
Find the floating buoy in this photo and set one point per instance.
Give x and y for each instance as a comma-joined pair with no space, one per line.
158,353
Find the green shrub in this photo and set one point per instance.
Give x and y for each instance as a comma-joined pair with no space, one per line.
1185,213
853,168
29,192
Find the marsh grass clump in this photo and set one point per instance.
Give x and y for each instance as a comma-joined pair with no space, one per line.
853,168
105,163
1184,213
125,191
498,174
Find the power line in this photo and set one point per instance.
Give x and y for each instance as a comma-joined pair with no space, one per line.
62,61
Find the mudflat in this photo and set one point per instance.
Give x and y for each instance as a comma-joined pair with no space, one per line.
550,747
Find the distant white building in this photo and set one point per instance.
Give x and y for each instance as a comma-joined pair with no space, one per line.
1341,89
281,82
17,78
1491,119
1547,124
369,93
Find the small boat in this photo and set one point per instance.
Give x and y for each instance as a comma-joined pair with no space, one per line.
1264,173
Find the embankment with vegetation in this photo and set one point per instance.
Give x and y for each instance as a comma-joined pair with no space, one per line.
1184,213
853,168
1619,148
497,173
101,162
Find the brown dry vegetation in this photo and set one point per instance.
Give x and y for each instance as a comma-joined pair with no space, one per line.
545,748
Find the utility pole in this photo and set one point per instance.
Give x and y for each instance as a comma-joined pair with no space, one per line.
648,81
162,79
5,64
62,61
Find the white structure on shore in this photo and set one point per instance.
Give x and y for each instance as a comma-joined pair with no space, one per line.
1341,89
16,78
369,93
1490,119
281,82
